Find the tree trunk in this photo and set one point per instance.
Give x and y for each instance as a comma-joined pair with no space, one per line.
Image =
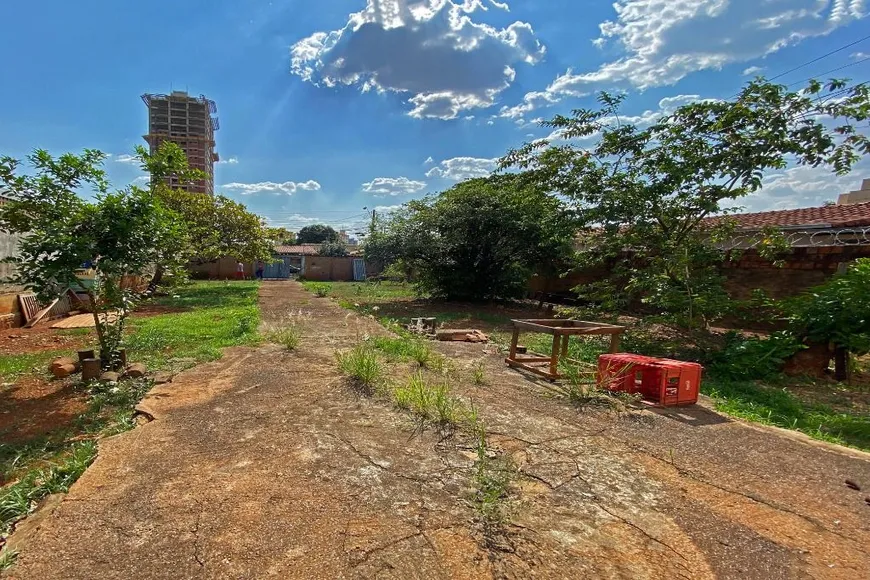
841,364
156,279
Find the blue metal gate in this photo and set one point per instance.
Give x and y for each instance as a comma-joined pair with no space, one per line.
279,270
359,270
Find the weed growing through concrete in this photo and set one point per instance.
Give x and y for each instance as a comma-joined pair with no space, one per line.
478,373
429,402
286,336
362,366
493,478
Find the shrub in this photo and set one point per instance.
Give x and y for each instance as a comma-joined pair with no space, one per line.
753,358
320,289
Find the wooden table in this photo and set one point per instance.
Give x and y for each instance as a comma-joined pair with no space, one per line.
562,331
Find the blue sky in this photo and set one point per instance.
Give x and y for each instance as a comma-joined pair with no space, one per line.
329,106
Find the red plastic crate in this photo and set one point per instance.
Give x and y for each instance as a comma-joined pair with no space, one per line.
663,382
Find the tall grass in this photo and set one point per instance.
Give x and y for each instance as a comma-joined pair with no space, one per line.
362,366
20,498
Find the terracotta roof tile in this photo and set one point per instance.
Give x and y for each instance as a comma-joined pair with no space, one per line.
857,214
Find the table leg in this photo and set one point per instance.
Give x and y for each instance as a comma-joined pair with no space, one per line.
614,343
514,339
565,340
554,359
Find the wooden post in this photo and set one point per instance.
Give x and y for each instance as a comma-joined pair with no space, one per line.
554,360
514,340
91,369
614,343
565,340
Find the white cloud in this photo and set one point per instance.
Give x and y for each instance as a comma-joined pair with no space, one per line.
461,168
663,41
125,158
286,188
392,186
142,179
434,53
229,161
752,71
860,55
382,209
429,161
666,106
804,186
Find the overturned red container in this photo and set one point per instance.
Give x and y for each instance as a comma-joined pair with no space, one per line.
660,381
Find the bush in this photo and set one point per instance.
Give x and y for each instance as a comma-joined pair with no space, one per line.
320,289
753,358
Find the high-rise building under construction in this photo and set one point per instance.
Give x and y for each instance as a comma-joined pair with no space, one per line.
189,122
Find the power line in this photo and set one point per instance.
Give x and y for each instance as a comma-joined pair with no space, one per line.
818,58
857,62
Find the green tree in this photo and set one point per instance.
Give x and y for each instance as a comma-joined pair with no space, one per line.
281,236
335,249
117,234
215,226
836,313
481,239
643,195
316,234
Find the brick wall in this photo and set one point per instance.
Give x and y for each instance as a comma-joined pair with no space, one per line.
803,268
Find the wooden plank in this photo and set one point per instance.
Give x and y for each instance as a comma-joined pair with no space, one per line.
533,370
29,305
526,359
554,361
41,314
80,321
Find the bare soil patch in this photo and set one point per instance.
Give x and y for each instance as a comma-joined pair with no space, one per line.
33,407
39,339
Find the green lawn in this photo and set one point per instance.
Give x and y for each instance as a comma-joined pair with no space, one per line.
218,315
210,316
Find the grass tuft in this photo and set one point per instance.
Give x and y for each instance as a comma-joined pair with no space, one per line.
362,366
434,403
286,336
493,478
478,374
320,289
7,558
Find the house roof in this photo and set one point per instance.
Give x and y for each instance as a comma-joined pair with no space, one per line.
837,216
300,250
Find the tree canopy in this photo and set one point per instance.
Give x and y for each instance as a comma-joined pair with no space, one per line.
481,239
117,234
643,195
316,234
334,249
216,226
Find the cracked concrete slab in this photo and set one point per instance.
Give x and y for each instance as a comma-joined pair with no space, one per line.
264,464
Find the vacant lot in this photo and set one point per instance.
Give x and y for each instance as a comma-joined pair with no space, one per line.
271,462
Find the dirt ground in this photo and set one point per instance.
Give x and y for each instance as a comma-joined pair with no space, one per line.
265,464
